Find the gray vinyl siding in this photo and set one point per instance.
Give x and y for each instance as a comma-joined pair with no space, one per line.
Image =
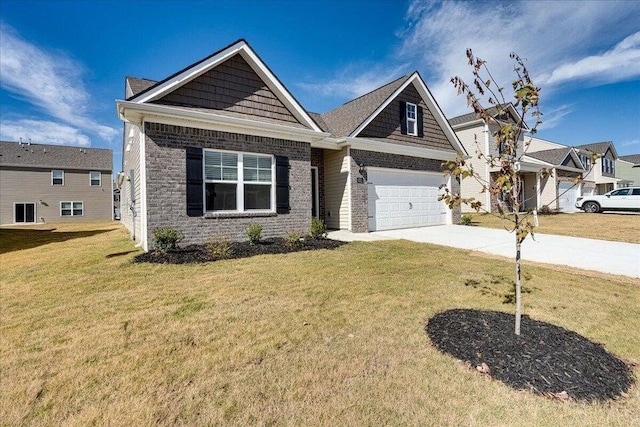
336,181
33,185
386,125
131,161
232,86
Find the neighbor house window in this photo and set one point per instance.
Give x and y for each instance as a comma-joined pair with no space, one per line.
585,160
57,177
608,165
412,128
238,181
95,178
71,208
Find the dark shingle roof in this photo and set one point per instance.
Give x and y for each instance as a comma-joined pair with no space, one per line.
554,156
55,156
596,147
138,85
470,117
632,158
319,121
343,120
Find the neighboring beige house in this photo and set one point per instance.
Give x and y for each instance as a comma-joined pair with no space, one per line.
223,143
51,183
628,170
603,173
556,190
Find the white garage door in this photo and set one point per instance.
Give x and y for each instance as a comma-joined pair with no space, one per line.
402,199
568,195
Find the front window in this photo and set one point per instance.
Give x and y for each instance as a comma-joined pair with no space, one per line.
237,181
412,128
585,160
608,166
71,208
95,178
57,177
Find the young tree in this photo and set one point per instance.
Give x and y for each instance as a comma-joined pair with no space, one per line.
506,184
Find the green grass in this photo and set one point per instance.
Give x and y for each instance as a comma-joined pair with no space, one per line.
310,338
619,227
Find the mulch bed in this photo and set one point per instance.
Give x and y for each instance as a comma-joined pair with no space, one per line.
545,359
200,253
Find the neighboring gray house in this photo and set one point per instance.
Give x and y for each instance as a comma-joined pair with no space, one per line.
52,183
628,170
222,143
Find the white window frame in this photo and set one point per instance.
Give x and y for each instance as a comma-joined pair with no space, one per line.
57,170
413,120
35,212
72,207
99,179
239,182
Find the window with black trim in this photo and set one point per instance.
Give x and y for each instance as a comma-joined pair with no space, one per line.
412,127
238,181
95,179
71,208
57,177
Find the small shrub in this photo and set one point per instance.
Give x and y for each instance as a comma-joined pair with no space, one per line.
318,228
465,219
294,239
166,239
254,232
546,210
220,248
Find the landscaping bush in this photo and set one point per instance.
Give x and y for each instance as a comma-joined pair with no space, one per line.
219,248
546,210
465,219
318,228
254,232
166,239
294,239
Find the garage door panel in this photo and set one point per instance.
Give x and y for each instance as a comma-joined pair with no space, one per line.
401,199
567,196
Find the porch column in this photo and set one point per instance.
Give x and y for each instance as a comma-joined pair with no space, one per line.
538,190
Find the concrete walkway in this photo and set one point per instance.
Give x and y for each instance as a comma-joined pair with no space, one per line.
588,254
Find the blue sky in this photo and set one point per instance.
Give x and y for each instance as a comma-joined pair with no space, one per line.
63,63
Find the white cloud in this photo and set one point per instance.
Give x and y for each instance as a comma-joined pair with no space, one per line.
50,81
548,35
620,63
352,82
552,118
44,132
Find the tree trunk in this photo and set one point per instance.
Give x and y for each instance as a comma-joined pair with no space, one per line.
518,287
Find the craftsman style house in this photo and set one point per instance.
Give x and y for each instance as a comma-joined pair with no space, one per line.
222,143
52,183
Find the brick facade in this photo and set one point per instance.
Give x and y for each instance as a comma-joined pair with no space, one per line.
359,190
166,184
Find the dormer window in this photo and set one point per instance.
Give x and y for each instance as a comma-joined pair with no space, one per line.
412,127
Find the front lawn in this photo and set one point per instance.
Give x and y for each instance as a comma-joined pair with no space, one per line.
327,337
619,227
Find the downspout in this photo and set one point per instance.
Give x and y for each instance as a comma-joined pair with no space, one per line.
143,188
486,166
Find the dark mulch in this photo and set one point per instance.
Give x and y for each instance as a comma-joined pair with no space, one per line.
200,253
545,359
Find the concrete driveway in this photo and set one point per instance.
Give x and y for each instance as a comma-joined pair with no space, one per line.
588,254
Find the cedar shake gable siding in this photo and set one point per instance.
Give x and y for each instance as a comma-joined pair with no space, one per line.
386,125
232,86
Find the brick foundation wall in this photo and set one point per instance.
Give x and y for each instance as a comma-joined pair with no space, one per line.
166,184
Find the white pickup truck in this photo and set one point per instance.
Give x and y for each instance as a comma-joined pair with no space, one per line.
622,199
